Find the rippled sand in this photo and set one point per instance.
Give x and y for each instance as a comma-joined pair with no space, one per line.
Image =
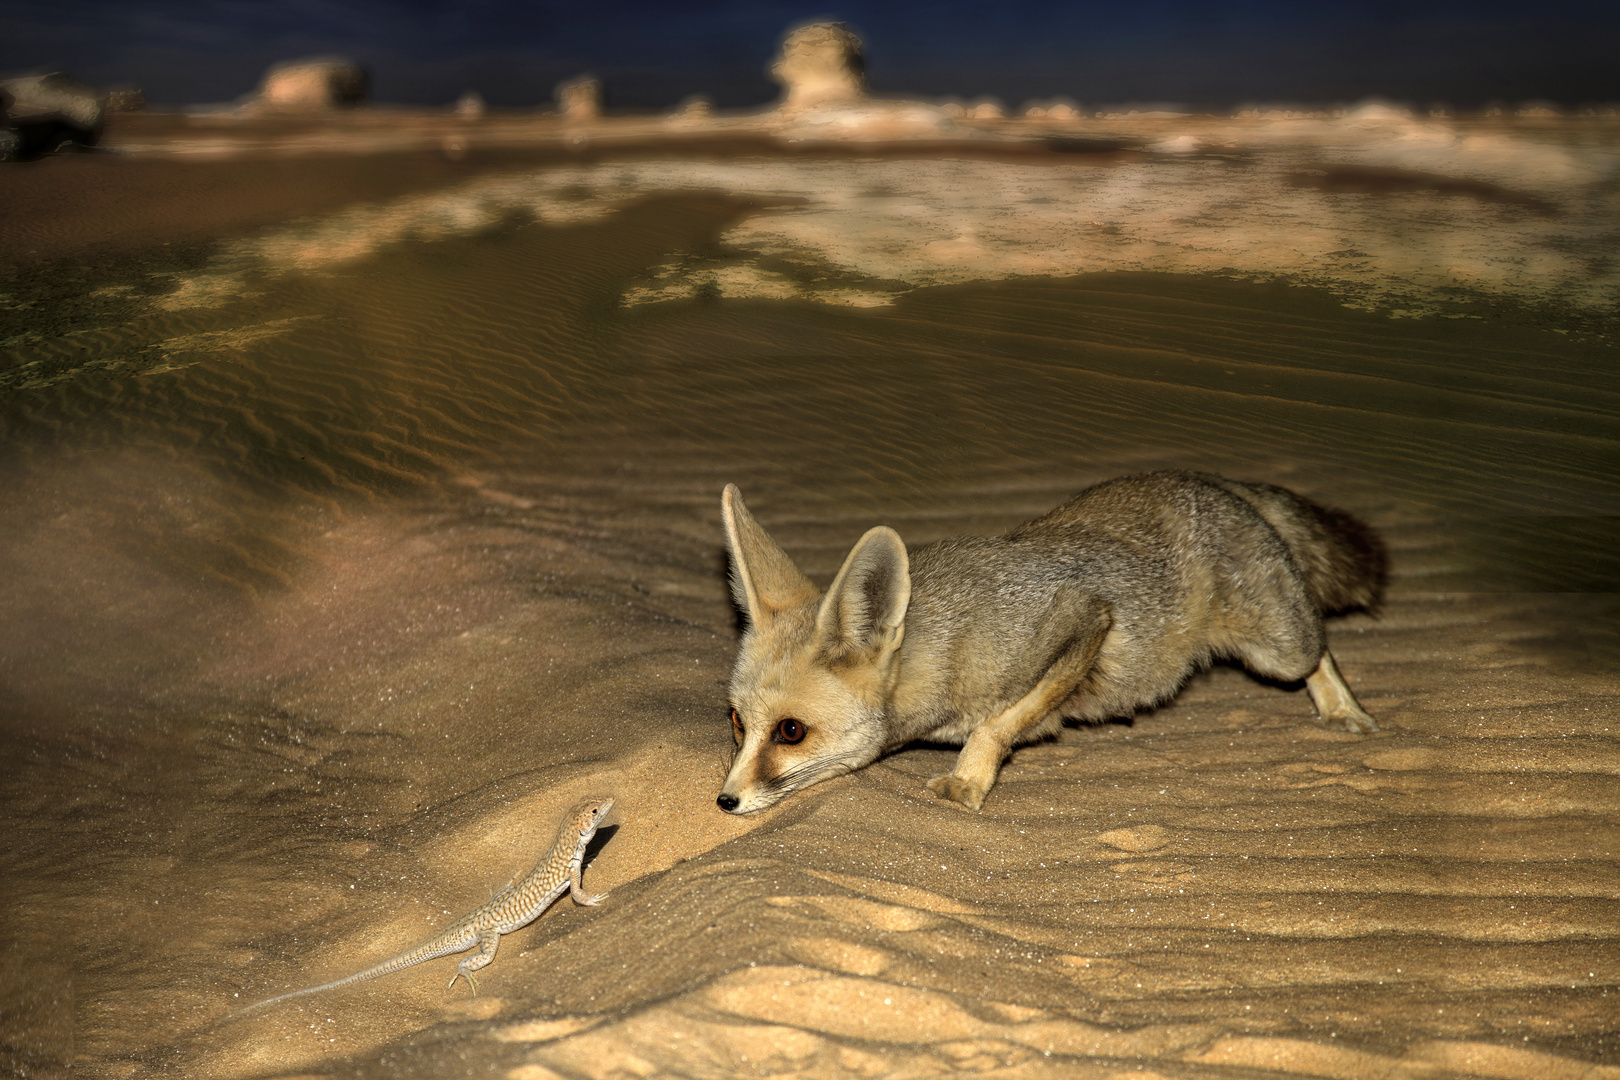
327,595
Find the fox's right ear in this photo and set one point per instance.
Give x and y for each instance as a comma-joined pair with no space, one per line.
865,607
763,579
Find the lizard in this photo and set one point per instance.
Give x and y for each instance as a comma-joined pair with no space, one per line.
513,908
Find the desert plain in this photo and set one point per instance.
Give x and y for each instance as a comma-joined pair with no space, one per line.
361,483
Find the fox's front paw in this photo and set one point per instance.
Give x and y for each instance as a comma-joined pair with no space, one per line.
1351,718
957,790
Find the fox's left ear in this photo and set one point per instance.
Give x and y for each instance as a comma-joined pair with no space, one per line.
865,610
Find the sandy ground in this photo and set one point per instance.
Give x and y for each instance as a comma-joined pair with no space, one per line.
326,597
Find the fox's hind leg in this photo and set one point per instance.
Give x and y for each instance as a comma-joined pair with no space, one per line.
1335,704
976,767
1279,634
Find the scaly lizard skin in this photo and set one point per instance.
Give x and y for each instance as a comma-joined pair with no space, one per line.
514,907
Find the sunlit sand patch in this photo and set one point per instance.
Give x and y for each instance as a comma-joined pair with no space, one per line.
359,231
833,954
860,232
900,894
1006,1039
1140,838
216,287
742,281
536,1031
188,349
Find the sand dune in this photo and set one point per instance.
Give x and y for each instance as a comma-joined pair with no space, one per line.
328,596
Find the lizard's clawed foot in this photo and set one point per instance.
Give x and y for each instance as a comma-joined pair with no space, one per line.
957,790
460,974
588,899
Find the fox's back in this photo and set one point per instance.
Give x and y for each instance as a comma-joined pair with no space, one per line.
1188,565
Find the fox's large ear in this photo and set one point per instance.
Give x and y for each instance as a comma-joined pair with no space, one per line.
763,579
865,610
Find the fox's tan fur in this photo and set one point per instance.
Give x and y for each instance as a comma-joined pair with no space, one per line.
1100,608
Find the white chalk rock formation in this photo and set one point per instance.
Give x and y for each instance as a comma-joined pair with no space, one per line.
471,106
1377,112
823,77
694,111
56,96
580,98
870,121
820,64
41,113
1053,109
314,84
126,99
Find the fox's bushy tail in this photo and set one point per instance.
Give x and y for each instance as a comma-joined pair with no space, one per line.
1344,562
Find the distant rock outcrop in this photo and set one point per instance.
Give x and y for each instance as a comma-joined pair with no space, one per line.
695,107
43,113
314,84
125,99
580,98
1052,109
471,105
820,64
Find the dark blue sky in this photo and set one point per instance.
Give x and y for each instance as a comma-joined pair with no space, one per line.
652,54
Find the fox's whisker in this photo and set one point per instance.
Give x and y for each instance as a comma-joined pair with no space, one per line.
809,772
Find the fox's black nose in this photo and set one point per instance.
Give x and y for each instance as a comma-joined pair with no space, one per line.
728,803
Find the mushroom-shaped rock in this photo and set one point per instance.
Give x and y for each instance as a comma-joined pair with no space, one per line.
319,82
820,64
580,98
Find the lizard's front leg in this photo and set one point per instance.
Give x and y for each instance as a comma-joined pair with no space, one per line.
488,941
577,890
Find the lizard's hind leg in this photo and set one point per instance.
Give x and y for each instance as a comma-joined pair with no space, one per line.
488,941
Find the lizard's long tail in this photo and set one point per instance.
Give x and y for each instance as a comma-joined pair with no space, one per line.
430,951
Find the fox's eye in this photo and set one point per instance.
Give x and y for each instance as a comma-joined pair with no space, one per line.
789,731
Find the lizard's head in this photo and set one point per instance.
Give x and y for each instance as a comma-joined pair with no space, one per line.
589,814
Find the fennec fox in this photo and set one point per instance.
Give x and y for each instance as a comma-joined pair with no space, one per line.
1104,606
